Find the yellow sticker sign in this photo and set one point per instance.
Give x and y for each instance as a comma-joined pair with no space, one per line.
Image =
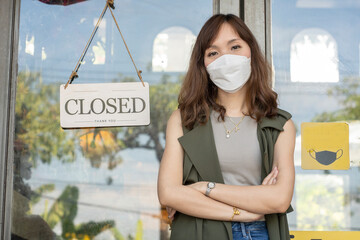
325,146
324,235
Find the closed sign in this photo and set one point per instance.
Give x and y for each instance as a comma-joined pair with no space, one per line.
104,105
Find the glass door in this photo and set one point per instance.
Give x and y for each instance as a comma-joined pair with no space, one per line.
95,183
316,58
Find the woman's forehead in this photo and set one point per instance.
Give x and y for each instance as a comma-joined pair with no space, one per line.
226,34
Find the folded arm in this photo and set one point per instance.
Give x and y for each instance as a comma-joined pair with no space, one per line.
172,193
265,199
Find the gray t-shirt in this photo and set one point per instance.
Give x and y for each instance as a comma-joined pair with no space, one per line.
239,155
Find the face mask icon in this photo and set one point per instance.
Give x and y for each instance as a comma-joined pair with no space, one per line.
325,157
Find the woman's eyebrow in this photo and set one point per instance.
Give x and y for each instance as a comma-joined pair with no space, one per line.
213,46
233,40
229,42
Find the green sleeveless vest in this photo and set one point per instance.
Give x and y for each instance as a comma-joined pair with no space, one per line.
201,164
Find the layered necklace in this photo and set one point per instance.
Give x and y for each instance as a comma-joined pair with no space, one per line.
234,129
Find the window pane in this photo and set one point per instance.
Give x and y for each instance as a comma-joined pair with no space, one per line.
95,183
316,59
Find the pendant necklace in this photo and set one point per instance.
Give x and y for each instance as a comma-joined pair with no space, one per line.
236,126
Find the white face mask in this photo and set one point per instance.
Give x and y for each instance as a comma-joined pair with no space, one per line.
230,72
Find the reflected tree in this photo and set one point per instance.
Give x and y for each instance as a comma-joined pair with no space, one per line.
64,210
100,145
163,101
349,97
37,121
38,132
37,124
37,128
38,137
320,203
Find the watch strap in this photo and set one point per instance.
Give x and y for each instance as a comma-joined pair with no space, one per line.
208,190
210,186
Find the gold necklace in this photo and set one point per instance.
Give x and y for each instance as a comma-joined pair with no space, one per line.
236,128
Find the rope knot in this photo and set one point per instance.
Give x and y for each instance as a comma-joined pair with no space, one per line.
111,3
73,76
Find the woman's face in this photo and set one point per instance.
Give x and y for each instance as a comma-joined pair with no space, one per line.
227,41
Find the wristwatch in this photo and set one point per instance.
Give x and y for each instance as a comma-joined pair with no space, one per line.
210,186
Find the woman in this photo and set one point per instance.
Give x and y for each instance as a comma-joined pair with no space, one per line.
227,171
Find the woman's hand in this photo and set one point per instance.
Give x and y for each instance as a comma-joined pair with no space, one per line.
171,212
268,180
248,216
201,187
271,178
245,215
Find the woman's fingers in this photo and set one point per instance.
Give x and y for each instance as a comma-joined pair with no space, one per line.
274,181
271,178
268,177
171,212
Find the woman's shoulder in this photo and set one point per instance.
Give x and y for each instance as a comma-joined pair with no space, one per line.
278,121
175,117
283,113
286,121
174,122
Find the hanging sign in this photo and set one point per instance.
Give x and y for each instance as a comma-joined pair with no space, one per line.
104,105
325,146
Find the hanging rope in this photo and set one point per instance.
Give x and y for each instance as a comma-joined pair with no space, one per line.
110,5
137,71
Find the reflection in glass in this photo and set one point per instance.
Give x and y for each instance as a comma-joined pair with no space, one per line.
317,78
25,224
98,46
314,57
29,45
172,49
321,203
93,183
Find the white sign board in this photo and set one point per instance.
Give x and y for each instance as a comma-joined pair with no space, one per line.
104,105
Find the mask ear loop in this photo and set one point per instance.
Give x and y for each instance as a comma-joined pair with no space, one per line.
340,155
110,5
310,151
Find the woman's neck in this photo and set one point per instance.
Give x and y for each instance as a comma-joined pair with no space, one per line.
234,103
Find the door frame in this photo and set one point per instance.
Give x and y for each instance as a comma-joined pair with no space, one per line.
9,23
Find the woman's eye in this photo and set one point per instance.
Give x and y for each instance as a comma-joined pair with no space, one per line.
210,54
235,47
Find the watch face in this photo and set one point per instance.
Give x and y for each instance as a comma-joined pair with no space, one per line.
211,185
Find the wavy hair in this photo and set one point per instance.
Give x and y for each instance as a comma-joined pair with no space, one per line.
198,93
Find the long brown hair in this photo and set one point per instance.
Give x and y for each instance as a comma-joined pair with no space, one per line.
198,93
